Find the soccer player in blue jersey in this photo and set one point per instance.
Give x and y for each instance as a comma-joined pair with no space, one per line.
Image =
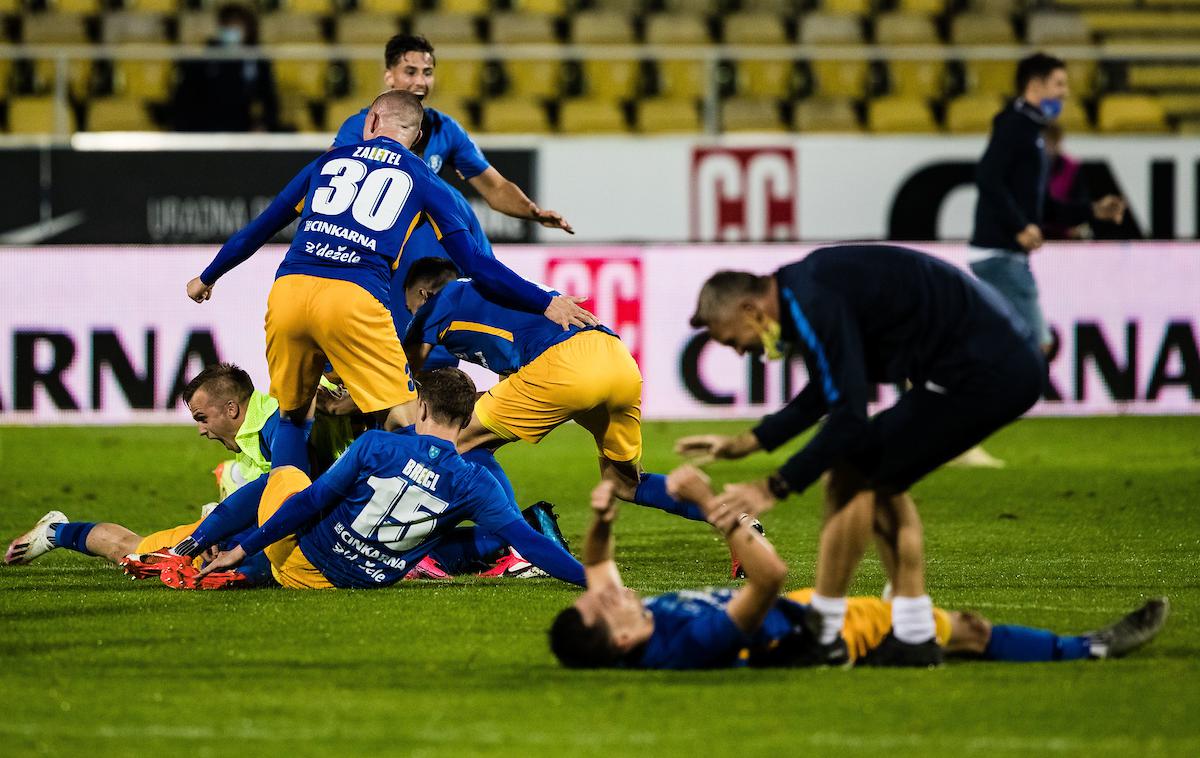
444,145
550,377
389,501
358,205
612,626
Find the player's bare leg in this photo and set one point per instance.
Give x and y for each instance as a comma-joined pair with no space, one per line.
624,475
113,541
401,416
478,435
903,538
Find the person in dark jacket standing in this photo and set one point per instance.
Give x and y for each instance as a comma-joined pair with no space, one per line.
1012,177
863,314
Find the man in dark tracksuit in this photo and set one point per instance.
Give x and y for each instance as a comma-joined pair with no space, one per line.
863,314
1013,203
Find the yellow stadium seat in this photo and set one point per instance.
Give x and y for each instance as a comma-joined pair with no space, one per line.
981,29
840,78
197,28
972,113
1131,113
1082,77
682,78
122,28
446,29
152,6
10,6
924,79
765,78
1151,22
462,78
337,111
676,29
79,76
308,7
119,114
612,79
295,111
1160,76
1056,28
826,29
755,29
34,115
591,116
145,80
847,7
308,79
386,7
997,7
1180,103
778,7
825,114
601,28
366,78
5,73
668,115
533,78
53,29
285,28
1097,3
751,114
895,114
905,29
76,6
365,28
703,7
1073,118
628,7
514,115
522,28
995,77
454,107
477,7
552,7
925,7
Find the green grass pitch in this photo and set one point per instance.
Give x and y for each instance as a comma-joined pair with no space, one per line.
1091,517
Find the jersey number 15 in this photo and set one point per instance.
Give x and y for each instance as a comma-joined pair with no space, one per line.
374,198
400,514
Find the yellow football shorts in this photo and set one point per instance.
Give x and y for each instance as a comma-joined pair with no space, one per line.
868,620
590,378
288,564
165,538
311,319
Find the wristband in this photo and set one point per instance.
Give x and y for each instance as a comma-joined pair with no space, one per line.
778,486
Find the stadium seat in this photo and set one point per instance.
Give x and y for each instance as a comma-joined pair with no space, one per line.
475,7
591,116
307,79
905,29
899,114
847,7
337,111
972,113
533,78
1073,118
144,80
668,115
1131,113
701,7
1151,22
461,78
365,28
765,78
997,7
1055,28
778,7
86,7
514,115
79,76
601,28
295,111
838,78
1180,103
924,7
152,6
386,7
454,107
1082,77
34,115
1159,76
676,29
755,29
627,7
366,78
522,28
825,29
981,29
53,29
994,77
612,79
551,7
446,29
925,79
682,78
196,28
284,28
825,114
119,114
751,114
122,28
5,74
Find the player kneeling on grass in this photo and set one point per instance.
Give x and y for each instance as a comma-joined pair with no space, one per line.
612,626
387,503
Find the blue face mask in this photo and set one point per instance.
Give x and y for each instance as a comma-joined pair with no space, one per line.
1051,107
230,36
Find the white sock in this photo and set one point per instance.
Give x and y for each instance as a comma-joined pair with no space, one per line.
833,615
912,619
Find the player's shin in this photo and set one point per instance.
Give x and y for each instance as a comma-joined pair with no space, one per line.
1026,644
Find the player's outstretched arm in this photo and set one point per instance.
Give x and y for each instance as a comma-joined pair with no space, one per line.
504,196
598,549
702,449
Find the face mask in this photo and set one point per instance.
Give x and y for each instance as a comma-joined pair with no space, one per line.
771,334
1051,107
229,35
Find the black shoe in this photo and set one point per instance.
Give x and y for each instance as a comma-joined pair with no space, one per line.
735,567
544,520
894,653
1131,632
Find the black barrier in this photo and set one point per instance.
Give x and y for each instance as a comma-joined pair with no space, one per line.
64,196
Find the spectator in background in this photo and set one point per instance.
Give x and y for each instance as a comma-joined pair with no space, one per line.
230,95
1066,185
1013,201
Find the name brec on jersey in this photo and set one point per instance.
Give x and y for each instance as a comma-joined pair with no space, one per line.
421,475
377,154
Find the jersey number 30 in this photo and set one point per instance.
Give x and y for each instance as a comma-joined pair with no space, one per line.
373,197
400,514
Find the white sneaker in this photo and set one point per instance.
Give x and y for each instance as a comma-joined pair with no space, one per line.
36,542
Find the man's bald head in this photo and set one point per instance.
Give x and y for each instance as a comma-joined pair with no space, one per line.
395,114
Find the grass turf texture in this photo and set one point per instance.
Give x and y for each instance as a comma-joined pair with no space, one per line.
1092,516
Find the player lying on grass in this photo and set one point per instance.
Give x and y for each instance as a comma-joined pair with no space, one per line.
611,625
550,377
389,501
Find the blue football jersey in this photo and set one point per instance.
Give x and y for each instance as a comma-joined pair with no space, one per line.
693,630
476,330
394,497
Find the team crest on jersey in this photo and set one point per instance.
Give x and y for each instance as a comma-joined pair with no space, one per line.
434,452
435,163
